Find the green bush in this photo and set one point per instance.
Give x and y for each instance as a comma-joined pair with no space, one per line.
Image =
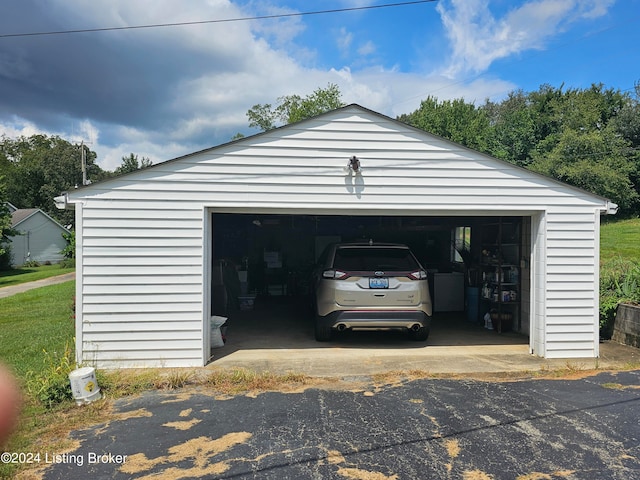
68,263
5,256
619,283
31,264
70,250
51,386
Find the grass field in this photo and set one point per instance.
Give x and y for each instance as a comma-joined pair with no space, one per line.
30,274
33,321
620,239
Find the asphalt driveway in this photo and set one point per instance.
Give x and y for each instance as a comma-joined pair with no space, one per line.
429,428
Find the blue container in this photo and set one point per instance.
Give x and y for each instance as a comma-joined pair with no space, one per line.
472,301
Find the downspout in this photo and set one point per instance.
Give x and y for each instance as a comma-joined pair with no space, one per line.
596,283
609,208
62,202
79,284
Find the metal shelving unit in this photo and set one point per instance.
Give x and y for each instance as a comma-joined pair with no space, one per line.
500,256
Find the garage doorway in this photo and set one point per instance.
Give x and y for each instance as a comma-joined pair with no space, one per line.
261,263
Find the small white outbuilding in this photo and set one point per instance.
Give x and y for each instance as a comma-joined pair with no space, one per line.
148,242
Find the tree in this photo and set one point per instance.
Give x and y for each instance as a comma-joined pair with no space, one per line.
456,120
512,132
581,142
5,227
594,161
293,108
627,122
589,138
131,164
39,168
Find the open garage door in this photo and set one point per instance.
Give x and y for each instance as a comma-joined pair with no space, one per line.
478,266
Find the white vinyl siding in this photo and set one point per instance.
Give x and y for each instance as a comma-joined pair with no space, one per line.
572,286
144,277
142,285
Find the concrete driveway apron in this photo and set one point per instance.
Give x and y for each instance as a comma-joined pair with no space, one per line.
428,428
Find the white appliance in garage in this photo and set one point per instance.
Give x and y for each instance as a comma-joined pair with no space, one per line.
448,292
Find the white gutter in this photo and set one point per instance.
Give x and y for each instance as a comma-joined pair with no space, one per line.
610,208
62,202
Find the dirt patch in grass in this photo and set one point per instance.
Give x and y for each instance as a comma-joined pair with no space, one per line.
568,372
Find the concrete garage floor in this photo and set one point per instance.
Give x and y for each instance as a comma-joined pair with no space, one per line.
277,336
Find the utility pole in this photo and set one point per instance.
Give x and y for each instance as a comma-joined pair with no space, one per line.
83,157
84,164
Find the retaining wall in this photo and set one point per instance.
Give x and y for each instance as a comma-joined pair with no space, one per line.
626,328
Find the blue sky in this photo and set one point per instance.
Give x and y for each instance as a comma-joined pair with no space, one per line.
165,92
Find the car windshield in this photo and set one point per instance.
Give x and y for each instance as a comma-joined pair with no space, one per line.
374,258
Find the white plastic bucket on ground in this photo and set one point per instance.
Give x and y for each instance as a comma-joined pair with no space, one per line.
84,385
216,334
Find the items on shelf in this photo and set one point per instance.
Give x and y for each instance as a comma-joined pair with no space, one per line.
495,285
500,264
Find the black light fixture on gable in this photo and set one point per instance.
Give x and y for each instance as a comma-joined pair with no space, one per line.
354,164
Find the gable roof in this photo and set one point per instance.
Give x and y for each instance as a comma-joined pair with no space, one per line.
62,201
22,214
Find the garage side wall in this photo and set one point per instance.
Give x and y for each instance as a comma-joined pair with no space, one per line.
572,284
142,284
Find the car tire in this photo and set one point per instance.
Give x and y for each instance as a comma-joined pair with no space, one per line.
322,333
420,335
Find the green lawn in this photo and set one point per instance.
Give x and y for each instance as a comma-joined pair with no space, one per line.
35,320
620,239
30,322
30,274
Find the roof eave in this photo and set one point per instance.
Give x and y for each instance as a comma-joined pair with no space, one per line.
610,208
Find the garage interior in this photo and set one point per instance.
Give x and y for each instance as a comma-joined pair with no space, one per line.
262,263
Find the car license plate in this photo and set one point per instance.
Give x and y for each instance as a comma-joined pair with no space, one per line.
378,282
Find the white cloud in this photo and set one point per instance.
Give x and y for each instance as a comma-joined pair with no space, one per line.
79,132
85,131
111,156
344,40
19,127
393,93
206,37
478,38
367,48
280,32
203,78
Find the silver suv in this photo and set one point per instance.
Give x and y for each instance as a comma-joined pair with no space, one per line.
371,286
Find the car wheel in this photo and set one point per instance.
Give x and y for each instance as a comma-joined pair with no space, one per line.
323,334
419,335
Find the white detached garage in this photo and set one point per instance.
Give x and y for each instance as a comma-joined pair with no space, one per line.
145,250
